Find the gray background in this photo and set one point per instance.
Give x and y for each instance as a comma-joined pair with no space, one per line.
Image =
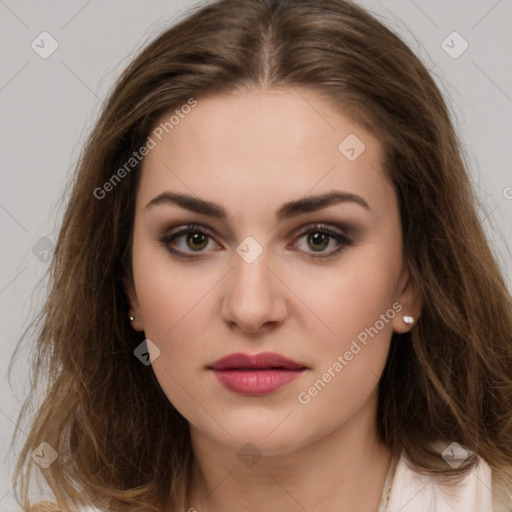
48,105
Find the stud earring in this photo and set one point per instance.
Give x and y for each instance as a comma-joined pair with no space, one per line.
408,319
132,318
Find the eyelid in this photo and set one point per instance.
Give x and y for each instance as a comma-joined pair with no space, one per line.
186,228
327,227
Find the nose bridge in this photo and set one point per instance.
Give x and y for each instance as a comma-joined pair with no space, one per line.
251,273
252,293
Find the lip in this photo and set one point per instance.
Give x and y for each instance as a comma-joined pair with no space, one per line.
256,375
262,361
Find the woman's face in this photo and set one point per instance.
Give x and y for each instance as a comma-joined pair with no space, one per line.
254,171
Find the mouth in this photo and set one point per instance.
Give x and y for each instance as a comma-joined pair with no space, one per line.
256,375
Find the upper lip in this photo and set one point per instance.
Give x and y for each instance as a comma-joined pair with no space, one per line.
264,360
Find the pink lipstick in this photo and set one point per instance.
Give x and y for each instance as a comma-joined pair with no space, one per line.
256,375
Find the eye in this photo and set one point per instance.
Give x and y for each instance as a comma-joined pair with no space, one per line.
318,238
196,238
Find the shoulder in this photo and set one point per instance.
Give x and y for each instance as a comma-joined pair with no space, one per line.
412,491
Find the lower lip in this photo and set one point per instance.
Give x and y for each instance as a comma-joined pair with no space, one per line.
256,382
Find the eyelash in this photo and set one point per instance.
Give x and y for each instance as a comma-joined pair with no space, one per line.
315,228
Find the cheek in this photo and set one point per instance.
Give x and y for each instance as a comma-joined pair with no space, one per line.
356,305
349,363
177,314
348,299
172,297
178,308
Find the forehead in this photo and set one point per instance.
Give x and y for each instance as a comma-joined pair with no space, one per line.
260,147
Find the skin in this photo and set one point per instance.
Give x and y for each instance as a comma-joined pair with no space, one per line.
251,151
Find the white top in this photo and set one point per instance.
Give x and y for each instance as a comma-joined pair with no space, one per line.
405,490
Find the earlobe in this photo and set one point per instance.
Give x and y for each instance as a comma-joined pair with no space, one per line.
411,300
134,314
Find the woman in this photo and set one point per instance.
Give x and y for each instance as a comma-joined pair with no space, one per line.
271,287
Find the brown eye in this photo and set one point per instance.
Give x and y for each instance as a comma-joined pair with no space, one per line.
318,240
319,236
186,241
194,239
197,240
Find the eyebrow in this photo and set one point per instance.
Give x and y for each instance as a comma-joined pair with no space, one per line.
287,210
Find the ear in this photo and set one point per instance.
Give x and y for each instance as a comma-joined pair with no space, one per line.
409,296
134,309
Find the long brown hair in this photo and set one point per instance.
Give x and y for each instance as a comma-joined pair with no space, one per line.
121,444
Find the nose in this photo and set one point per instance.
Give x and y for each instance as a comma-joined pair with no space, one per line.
254,296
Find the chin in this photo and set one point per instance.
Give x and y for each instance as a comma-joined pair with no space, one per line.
270,435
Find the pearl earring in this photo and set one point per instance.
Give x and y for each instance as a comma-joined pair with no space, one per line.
132,318
408,319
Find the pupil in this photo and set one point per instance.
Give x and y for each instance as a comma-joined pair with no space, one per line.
196,239
318,238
